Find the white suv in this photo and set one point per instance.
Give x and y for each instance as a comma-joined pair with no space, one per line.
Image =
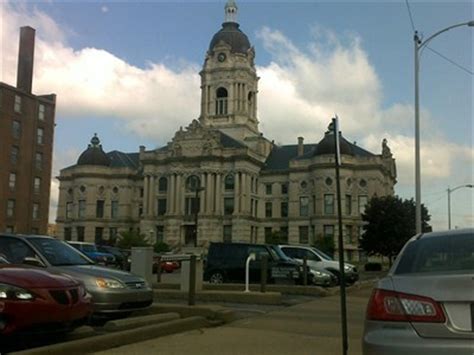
317,258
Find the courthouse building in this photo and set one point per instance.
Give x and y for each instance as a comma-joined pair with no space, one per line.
222,173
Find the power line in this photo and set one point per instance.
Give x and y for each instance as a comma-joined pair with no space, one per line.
410,15
451,61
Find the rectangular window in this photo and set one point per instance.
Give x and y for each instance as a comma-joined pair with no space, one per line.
12,181
10,208
228,206
268,209
68,210
304,234
35,210
81,212
268,189
37,185
14,154
284,188
10,229
283,235
160,234
99,209
140,210
112,235
329,204
80,234
67,233
284,209
348,237
348,205
39,160
99,235
328,230
16,129
41,111
161,206
114,209
268,234
304,206
192,205
227,237
40,135
141,192
256,208
362,204
17,105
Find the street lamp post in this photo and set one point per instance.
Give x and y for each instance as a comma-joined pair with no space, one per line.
449,200
419,44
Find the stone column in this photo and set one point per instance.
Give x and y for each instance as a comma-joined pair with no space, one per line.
218,194
237,193
145,195
170,198
151,196
202,195
209,193
178,195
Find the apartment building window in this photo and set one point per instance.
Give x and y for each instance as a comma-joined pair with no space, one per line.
268,209
10,208
362,203
160,234
14,154
161,206
39,160
114,209
227,237
229,182
228,206
81,212
99,209
17,105
112,235
268,234
284,209
35,210
67,233
37,185
328,230
268,189
304,206
41,111
99,235
40,135
348,205
12,181
283,237
68,210
80,233
348,237
304,234
162,184
16,129
284,188
329,204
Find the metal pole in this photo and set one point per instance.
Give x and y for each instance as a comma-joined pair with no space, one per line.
192,281
345,344
263,275
449,208
417,137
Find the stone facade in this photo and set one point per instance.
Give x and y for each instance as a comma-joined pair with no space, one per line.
248,187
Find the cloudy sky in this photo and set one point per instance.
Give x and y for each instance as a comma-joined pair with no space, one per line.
129,71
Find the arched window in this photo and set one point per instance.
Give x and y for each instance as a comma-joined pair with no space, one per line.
192,183
221,101
163,184
229,182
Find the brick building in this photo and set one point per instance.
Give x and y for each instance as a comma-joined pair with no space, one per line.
26,147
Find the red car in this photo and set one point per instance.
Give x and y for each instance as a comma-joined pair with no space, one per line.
36,300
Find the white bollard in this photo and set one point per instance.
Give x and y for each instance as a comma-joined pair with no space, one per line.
247,267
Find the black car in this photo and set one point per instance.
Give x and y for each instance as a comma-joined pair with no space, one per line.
226,263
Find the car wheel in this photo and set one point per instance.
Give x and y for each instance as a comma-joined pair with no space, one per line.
216,278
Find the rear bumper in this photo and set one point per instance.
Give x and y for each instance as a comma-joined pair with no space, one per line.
397,338
121,300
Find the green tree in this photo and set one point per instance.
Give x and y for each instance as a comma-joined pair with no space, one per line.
130,239
389,223
161,247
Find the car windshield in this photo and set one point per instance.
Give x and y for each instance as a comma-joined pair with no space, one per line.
280,253
58,253
323,255
450,253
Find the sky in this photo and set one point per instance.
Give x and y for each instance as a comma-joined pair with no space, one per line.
128,71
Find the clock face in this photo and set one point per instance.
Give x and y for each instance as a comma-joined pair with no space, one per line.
221,57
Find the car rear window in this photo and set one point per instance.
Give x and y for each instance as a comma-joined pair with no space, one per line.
447,253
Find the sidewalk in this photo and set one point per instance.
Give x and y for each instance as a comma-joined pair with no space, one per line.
307,328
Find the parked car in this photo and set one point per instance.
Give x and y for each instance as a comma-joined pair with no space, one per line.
319,275
426,302
93,253
317,258
113,291
226,263
32,299
121,255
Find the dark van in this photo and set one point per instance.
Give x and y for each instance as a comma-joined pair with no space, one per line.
226,263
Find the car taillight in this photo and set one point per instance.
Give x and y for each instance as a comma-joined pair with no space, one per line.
395,306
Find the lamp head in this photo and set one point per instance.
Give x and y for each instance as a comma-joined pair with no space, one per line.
471,23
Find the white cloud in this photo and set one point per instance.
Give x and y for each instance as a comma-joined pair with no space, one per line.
104,9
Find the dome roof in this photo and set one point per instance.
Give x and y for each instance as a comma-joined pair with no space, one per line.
94,155
233,36
327,146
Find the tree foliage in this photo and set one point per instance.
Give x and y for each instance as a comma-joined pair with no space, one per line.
389,223
325,244
161,247
129,239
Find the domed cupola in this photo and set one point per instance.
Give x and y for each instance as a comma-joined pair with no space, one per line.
94,155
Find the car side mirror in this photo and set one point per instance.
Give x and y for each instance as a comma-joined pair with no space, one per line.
33,262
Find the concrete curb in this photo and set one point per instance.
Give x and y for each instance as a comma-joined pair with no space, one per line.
267,298
134,322
109,341
211,312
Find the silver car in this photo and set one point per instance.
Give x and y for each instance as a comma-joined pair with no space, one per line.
113,291
426,302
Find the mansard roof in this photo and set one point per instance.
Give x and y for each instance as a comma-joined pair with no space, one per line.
123,160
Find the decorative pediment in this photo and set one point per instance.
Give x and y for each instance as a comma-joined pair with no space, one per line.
194,140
